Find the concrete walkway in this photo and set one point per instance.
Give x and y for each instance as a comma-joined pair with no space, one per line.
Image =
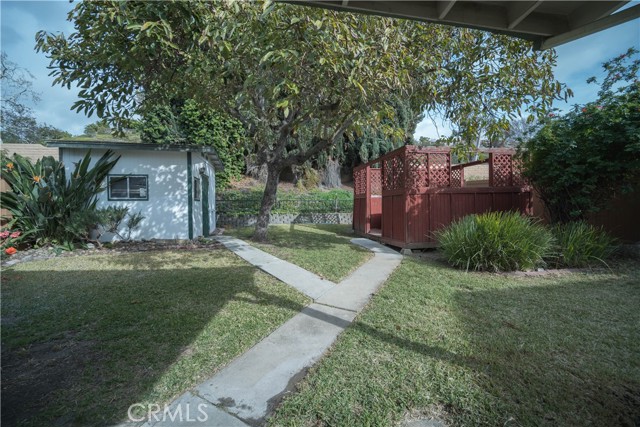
245,391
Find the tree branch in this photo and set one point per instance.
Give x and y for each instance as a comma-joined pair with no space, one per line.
321,145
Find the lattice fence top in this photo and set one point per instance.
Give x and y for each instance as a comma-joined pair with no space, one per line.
439,170
393,172
360,181
376,181
416,169
418,176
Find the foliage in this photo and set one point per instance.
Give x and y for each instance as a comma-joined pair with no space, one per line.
190,123
45,204
10,240
579,244
17,124
205,126
579,160
495,241
99,127
112,217
268,64
238,203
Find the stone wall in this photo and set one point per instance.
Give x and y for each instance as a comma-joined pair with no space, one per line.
303,218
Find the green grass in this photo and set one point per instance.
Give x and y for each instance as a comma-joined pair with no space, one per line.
322,249
483,349
85,337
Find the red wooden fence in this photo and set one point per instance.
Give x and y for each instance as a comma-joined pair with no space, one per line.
403,197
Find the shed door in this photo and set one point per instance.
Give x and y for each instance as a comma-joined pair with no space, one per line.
205,205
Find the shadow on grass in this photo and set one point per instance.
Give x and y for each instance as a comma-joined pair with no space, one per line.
558,353
79,346
541,353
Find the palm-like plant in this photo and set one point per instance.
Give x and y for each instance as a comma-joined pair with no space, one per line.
47,204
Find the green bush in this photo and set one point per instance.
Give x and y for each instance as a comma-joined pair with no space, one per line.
579,244
238,203
47,207
579,160
495,241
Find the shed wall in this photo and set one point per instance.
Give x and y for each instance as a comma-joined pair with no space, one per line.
166,211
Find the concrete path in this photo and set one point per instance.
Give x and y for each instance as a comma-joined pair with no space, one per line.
305,281
245,391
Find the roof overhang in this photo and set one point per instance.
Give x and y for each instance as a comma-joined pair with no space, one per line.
547,23
207,151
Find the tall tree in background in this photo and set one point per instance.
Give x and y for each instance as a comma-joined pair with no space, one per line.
281,69
18,125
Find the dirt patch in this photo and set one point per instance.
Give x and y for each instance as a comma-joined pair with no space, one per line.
435,415
30,375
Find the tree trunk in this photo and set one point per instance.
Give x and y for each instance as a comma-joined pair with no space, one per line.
331,174
268,200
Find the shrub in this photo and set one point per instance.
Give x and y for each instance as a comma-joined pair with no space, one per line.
46,206
579,244
579,160
495,241
112,218
237,203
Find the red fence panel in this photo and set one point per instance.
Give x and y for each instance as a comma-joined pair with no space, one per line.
418,191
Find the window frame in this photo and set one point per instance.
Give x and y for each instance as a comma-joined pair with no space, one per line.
127,177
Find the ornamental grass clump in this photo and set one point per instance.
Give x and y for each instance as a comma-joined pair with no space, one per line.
496,241
579,244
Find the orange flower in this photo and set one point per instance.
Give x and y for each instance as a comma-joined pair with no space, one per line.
9,166
10,251
36,178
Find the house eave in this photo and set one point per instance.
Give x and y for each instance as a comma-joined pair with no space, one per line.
209,152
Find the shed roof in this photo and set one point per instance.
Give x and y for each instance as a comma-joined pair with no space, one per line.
209,152
547,23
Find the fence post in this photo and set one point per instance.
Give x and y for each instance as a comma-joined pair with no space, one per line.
336,205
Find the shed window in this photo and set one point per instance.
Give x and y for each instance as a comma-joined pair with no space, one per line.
196,189
128,187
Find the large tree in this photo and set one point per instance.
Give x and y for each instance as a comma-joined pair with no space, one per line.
281,69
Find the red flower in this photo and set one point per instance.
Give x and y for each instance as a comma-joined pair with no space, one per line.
584,110
4,235
551,115
15,234
10,251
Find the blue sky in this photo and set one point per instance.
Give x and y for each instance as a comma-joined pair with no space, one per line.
22,19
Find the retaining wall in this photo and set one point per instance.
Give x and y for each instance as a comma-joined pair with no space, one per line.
301,218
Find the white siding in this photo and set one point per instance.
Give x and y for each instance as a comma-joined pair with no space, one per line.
166,211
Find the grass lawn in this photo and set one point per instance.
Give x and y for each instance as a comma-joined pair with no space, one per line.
322,249
483,349
83,338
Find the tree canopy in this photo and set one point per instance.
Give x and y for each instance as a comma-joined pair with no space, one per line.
283,69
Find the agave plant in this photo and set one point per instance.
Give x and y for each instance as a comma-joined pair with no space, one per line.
47,204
